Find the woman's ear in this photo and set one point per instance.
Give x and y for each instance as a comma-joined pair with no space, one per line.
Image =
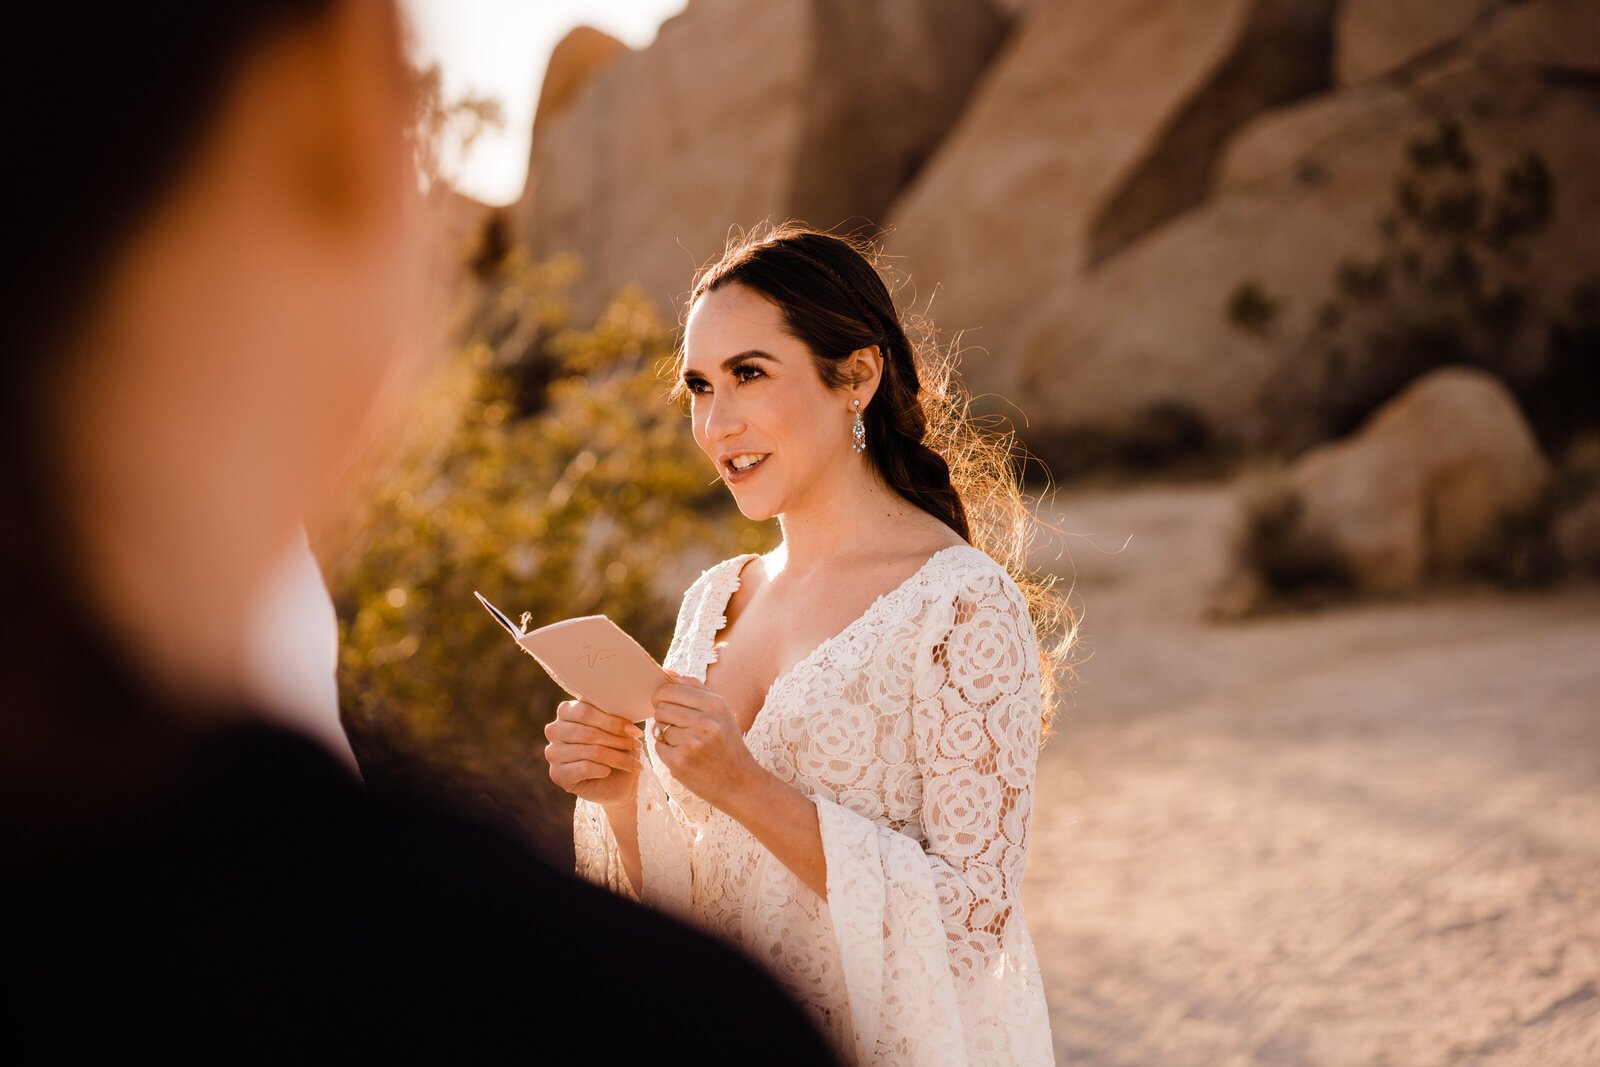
864,371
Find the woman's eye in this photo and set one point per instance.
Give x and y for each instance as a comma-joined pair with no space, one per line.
746,372
696,386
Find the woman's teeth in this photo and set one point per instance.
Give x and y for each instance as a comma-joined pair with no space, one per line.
740,463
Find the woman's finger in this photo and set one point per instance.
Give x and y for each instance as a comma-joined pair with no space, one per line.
678,715
600,754
577,733
687,732
672,742
673,695
581,711
571,774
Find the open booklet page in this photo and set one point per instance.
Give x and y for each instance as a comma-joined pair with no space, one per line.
592,658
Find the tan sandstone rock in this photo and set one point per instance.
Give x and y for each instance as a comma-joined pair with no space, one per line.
1299,190
1559,36
741,112
1423,488
576,58
1099,122
1375,36
1577,533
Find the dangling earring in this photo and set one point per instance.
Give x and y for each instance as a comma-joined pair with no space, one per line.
858,431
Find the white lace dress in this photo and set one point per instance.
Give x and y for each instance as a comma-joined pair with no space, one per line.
914,730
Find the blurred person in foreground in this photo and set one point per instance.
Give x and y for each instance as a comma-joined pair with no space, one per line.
203,285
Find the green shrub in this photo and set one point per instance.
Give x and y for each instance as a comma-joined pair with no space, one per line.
1272,545
1251,308
1450,284
598,503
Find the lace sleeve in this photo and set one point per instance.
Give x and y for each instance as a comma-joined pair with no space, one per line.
977,737
663,848
911,912
595,849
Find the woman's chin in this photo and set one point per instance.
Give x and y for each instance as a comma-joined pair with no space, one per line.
755,514
753,509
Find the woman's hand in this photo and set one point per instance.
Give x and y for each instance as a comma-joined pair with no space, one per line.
592,754
698,739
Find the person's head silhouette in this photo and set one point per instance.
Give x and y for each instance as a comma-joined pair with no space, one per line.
203,286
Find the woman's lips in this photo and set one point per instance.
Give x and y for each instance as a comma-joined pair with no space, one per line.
732,475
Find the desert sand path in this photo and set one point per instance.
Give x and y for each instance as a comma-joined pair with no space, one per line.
1364,835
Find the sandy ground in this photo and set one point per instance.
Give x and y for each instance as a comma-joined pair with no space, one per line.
1362,835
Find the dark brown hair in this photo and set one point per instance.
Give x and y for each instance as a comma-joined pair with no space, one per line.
920,439
836,303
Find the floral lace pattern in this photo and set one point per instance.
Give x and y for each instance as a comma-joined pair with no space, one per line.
915,732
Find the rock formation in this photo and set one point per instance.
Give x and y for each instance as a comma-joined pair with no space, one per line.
1577,533
576,58
1299,191
1425,487
1134,214
739,112
1376,36
1099,123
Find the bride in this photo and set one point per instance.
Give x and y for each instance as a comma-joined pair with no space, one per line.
839,776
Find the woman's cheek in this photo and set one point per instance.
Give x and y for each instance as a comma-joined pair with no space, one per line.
697,428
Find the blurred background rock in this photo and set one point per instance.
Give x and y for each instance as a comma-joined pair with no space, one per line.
1303,296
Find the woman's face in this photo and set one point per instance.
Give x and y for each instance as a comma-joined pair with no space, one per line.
760,411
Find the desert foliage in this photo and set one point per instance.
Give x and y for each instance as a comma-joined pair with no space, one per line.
558,479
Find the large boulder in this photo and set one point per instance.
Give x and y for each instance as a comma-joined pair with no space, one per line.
1376,36
576,58
1426,487
811,109
1099,122
1560,37
1577,533
1147,339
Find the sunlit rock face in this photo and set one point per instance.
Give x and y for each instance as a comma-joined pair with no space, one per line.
813,109
1375,37
1300,191
1099,124
1425,487
576,59
1132,213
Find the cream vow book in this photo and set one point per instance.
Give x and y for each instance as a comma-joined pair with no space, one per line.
594,660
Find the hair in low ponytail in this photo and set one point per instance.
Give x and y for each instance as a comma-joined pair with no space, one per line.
920,439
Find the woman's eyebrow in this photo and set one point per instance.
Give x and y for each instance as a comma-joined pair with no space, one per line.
754,353
733,361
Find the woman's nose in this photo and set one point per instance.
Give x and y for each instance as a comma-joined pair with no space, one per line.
723,419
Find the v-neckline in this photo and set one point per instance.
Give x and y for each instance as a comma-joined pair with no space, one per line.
803,661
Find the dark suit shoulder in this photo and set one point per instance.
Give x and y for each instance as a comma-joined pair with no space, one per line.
279,908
